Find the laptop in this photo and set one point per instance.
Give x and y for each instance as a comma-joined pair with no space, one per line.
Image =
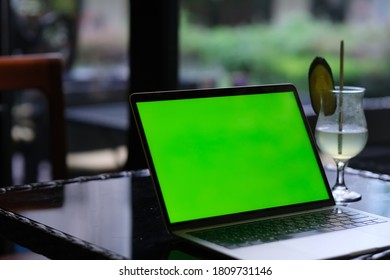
236,170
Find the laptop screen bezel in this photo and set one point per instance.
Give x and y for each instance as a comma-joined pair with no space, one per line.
217,92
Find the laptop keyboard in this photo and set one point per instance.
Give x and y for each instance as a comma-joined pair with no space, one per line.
246,234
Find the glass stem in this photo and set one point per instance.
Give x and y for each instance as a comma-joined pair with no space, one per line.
340,183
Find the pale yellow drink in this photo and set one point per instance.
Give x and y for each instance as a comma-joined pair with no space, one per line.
352,140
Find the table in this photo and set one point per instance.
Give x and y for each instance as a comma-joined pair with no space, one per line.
116,216
109,115
92,121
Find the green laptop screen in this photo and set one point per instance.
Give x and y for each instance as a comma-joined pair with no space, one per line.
221,155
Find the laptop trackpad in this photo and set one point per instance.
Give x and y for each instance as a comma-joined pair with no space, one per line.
323,246
336,244
270,251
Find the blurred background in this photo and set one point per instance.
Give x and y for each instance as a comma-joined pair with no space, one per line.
221,43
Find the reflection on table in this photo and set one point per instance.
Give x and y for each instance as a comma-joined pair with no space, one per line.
116,216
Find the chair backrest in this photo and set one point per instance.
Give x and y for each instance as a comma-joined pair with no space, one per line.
42,72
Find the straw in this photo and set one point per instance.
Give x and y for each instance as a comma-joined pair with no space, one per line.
340,139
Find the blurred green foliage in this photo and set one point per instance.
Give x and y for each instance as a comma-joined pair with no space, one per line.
282,52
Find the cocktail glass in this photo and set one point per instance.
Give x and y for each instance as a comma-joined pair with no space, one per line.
341,132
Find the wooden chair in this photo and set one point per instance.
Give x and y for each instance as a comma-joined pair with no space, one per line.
42,72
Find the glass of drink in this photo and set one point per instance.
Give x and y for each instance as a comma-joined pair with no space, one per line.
341,132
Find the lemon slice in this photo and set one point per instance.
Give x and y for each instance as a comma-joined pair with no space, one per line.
320,86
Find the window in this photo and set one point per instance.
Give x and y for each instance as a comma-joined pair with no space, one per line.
93,37
231,42
100,70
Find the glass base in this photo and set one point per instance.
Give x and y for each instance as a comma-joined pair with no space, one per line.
343,195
